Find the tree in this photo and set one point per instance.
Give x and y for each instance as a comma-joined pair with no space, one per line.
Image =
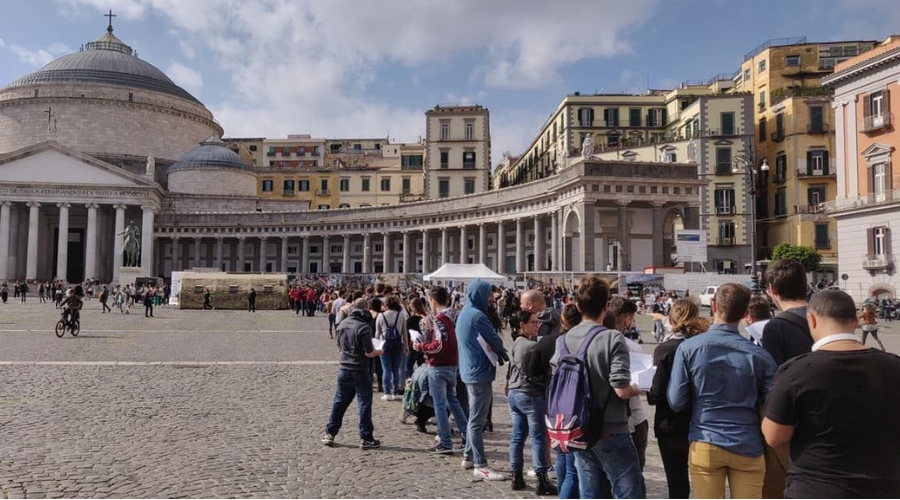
807,255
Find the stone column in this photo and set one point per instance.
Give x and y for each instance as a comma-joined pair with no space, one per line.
62,246
554,245
659,257
220,251
520,246
4,239
147,240
118,241
304,258
482,243
623,234
445,246
326,254
386,253
240,255
501,248
539,245
409,265
262,254
463,245
176,261
345,265
90,244
284,255
197,261
367,253
426,250
31,263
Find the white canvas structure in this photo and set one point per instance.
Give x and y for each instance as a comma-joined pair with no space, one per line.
464,272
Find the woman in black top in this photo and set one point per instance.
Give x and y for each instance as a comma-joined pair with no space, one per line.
671,428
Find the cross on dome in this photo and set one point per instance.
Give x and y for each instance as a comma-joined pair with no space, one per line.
109,29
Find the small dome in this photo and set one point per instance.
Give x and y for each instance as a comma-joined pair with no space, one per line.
105,61
210,153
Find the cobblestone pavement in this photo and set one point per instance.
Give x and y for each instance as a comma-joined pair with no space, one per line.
209,404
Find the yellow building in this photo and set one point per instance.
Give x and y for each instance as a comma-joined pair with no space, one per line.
458,152
394,176
795,135
293,169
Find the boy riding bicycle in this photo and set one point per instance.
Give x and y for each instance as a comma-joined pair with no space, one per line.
71,306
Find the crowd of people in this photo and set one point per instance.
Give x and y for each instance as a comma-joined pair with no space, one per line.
803,411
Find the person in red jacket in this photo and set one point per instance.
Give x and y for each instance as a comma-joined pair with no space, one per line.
442,356
311,301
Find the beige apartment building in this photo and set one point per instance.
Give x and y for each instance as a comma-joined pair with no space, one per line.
458,151
397,176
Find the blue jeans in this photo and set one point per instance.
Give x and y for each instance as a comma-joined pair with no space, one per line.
527,412
392,379
616,457
442,386
566,475
480,397
352,383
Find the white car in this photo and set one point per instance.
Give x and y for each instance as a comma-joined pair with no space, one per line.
708,294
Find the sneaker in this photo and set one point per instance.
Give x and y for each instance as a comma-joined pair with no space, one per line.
328,439
467,463
487,474
531,473
551,473
369,444
386,397
440,450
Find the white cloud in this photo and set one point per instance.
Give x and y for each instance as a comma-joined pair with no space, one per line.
187,49
2,43
312,63
38,57
186,77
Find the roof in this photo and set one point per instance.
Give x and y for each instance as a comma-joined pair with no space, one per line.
105,61
210,153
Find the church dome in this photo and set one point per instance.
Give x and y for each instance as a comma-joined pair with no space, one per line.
211,153
106,61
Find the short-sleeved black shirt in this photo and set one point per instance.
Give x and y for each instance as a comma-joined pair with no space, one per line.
844,406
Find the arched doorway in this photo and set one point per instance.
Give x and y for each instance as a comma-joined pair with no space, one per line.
673,221
571,253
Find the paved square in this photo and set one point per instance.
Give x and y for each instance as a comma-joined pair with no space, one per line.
210,404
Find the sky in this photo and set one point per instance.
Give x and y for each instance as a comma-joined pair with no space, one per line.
370,69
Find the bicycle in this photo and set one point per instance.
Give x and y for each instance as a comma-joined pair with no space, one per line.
73,326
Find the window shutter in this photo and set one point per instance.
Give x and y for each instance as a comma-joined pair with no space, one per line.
825,163
887,240
870,236
888,177
809,158
665,117
591,116
871,176
867,105
732,198
886,103
719,194
809,196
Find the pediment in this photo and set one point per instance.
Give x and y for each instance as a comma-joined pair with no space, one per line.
877,149
50,163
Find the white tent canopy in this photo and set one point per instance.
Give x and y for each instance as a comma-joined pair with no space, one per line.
464,272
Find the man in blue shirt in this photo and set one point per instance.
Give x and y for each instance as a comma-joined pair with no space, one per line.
723,379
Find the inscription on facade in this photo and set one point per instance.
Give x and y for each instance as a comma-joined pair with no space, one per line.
91,193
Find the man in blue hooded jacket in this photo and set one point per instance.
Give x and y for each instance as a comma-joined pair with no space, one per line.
478,371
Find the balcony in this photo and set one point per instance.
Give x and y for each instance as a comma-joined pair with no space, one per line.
445,164
860,202
725,210
468,165
778,135
724,168
817,128
873,123
877,262
287,192
726,242
323,192
443,194
809,209
823,244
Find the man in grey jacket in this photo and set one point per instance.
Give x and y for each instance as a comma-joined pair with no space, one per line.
548,317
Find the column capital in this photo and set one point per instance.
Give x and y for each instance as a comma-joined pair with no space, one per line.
263,238
120,206
5,203
623,203
198,237
33,204
64,205
89,206
220,238
148,208
657,204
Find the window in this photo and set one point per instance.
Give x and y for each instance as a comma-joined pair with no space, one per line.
634,117
612,139
324,207
357,147
779,127
657,117
469,185
817,162
879,177
726,121
344,185
385,183
365,184
762,130
303,185
723,161
876,109
816,119
747,75
443,188
670,157
781,202
411,162
469,159
267,186
445,159
611,117
815,195
406,185
585,117
761,67
271,151
323,185
288,186
762,99
335,148
793,60
337,249
726,233
822,240
780,168
724,199
876,103
445,131
470,131
880,241
253,148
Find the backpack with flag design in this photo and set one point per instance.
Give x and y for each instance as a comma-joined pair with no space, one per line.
573,422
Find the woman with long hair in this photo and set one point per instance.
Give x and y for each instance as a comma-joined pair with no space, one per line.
390,327
417,311
670,427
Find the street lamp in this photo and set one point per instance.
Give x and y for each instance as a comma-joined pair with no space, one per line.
744,163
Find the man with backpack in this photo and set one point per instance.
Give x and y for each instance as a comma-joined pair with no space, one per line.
587,407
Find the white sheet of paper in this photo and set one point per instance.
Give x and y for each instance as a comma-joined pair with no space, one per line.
642,370
378,344
756,330
415,336
492,356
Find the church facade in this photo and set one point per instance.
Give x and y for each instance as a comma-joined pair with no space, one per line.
99,139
